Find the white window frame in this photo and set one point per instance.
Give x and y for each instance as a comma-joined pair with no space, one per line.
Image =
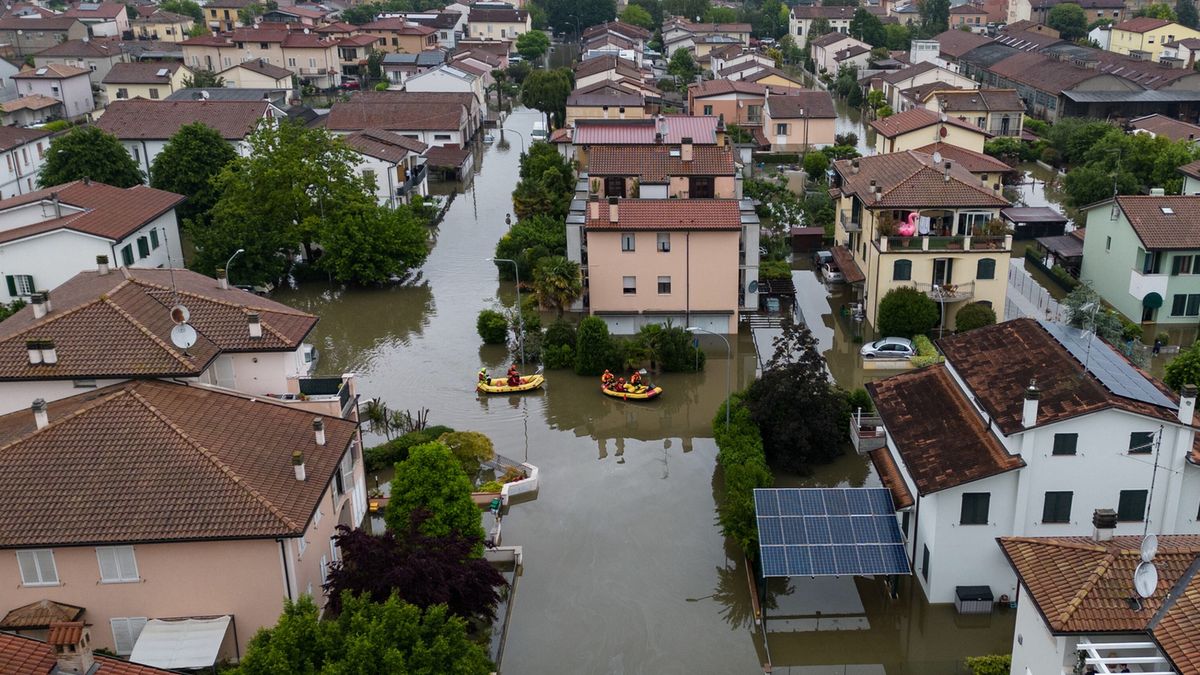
317,517
123,575
24,284
32,560
129,627
324,569
301,545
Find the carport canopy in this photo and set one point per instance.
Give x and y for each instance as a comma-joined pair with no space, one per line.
180,643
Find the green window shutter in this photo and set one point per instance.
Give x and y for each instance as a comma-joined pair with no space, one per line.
12,285
154,239
127,255
143,247
985,269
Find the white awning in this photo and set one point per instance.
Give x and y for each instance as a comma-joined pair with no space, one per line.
183,643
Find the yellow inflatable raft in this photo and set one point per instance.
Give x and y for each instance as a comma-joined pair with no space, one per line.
639,394
499,385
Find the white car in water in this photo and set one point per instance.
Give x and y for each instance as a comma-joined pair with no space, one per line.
889,348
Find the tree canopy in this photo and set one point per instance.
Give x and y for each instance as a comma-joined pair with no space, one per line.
184,7
637,16
1069,20
906,312
557,283
935,16
532,45
547,183
1184,368
1104,158
366,637
547,91
1158,10
572,16
89,152
432,479
203,79
1185,11
867,27
683,67
529,240
187,165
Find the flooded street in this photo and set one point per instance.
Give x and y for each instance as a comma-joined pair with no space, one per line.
625,570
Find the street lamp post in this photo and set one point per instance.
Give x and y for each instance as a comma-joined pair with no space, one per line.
521,135
520,309
230,262
728,362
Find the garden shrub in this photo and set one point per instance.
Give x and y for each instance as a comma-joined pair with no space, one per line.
743,462
396,450
905,312
492,327
560,356
859,398
974,316
774,269
561,332
927,354
593,348
992,664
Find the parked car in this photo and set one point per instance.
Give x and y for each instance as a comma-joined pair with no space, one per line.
349,85
889,348
831,274
820,258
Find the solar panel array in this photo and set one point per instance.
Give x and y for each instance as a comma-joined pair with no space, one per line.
1114,372
828,532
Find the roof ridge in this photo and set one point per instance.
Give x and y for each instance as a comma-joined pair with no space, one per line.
69,416
1094,577
287,311
107,299
51,317
215,460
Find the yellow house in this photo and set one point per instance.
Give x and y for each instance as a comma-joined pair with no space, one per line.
1145,35
955,252
163,26
497,23
799,119
222,15
918,127
605,102
144,79
257,75
774,77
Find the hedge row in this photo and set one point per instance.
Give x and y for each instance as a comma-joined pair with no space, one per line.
742,459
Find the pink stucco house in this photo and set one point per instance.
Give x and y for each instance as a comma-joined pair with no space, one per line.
155,499
68,84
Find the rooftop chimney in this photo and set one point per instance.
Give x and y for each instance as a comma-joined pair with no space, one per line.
39,305
49,353
1029,410
102,264
612,210
222,279
298,464
72,644
57,205
40,416
46,299
685,149
35,351
1104,522
1187,404
319,430
255,326
594,207
854,166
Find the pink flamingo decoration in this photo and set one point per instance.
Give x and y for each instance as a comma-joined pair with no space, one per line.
909,227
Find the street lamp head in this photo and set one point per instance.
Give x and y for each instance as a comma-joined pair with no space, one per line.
240,250
692,329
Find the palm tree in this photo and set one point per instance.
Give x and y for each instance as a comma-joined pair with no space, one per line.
557,283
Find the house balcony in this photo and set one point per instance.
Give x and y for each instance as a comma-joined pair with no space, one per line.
948,292
332,396
848,224
1004,131
867,433
930,243
414,180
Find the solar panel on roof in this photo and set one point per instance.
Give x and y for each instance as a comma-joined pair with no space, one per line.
1113,371
828,532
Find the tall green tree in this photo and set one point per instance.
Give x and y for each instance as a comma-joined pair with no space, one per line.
89,152
637,16
364,243
557,283
935,16
1185,10
432,479
906,312
530,239
573,16
720,15
547,91
533,45
1158,10
867,27
683,67
187,164
203,79
1069,20
547,183
184,7
1184,369
366,637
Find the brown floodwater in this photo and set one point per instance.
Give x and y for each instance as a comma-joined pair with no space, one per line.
625,569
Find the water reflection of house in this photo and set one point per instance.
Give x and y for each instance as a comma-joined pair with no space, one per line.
952,255
979,452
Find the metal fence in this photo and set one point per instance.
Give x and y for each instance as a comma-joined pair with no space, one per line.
1026,297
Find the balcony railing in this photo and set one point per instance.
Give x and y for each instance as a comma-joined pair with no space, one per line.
325,395
867,433
848,223
948,292
1004,131
415,178
927,243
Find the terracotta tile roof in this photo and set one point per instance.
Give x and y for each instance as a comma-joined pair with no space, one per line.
981,100
397,25
118,325
975,162
21,655
669,214
889,475
1161,125
656,163
263,68
846,264
921,92
810,103
447,156
605,63
831,39
769,71
102,49
910,179
702,130
719,87
29,102
1141,24
967,9
359,114
162,16
1192,169
159,120
142,72
917,118
941,450
1083,586
384,145
56,24
955,43
107,211
39,615
209,465
50,71
65,633
909,72
618,27
1170,222
851,52
606,96
95,10
821,11
482,15
998,362
336,27
12,137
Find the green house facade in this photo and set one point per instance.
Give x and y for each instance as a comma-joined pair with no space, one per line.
1142,255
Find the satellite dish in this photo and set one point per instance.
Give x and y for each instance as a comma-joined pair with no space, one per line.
1149,548
752,287
937,157
204,94
180,314
1145,579
183,336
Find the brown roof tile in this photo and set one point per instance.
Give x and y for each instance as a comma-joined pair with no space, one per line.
118,325
847,266
809,103
12,137
356,115
484,15
955,43
1161,125
769,71
1176,629
49,23
605,63
998,362
981,100
889,475
50,71
1192,169
942,450
669,214
65,633
911,180
142,72
107,211
917,118
718,87
209,465
159,120
384,145
39,615
95,10
263,68
30,101
618,27
975,162
1170,222
656,163
821,11
88,48
1141,24
21,655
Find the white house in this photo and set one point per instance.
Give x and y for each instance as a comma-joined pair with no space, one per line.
23,151
447,78
69,85
435,118
833,50
395,163
103,19
109,325
497,22
144,126
47,236
1025,431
